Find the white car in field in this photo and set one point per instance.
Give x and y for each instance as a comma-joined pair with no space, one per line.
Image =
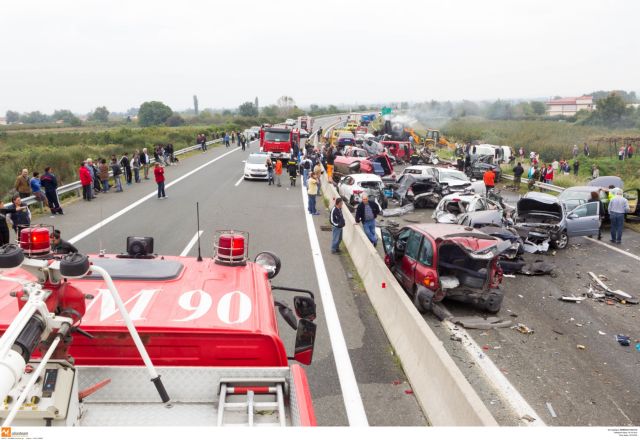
255,166
352,186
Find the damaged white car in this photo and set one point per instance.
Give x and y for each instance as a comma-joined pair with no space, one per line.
452,206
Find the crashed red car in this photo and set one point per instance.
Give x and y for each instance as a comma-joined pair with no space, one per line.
378,164
434,261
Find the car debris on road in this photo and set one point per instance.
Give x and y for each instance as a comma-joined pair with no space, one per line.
522,329
621,296
480,323
575,299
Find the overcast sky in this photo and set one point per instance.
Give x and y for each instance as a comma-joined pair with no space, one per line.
81,54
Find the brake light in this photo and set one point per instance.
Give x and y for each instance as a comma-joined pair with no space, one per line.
429,281
357,191
455,200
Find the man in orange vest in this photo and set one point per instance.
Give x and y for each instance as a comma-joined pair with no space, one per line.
278,172
489,178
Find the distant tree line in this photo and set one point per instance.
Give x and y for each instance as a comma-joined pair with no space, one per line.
100,114
613,110
155,113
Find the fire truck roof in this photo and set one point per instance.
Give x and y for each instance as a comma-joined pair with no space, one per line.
177,297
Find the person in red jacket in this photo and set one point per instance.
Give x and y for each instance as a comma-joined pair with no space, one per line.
158,173
489,179
548,178
85,180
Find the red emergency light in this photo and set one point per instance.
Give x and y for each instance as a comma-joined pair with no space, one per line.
36,240
231,248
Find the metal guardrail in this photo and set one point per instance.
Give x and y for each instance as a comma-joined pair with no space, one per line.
540,185
77,186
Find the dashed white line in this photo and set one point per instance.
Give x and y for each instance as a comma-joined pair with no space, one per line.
348,384
628,254
139,202
190,245
239,181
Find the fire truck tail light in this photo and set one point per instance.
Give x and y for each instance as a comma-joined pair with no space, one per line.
36,240
231,248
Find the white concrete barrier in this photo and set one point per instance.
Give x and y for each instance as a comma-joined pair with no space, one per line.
445,395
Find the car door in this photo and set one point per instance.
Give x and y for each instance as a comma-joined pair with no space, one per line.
425,272
632,198
409,260
584,220
389,246
345,187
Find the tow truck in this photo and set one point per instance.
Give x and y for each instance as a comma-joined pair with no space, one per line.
278,140
82,336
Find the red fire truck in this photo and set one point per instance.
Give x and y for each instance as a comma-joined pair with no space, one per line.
83,335
278,141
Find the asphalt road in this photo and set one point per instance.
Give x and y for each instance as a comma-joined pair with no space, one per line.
594,386
275,219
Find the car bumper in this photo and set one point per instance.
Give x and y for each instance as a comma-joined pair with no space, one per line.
255,175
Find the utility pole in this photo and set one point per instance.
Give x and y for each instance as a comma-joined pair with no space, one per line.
195,104
256,104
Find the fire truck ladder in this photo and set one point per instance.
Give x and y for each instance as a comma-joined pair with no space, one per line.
261,400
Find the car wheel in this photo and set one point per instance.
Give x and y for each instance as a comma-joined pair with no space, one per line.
562,241
493,302
423,300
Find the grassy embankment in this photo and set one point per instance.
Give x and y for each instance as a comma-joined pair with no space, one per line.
64,149
553,140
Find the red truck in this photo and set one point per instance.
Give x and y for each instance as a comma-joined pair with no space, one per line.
209,326
278,141
305,123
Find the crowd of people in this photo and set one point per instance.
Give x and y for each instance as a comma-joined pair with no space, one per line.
102,175
227,138
98,176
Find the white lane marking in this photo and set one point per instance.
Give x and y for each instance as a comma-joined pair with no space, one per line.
495,376
189,245
239,181
628,254
348,384
139,202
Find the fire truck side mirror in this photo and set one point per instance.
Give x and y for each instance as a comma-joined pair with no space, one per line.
305,341
305,307
287,314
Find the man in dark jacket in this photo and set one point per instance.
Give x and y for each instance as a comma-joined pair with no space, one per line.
518,171
60,246
337,223
50,185
366,212
126,166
